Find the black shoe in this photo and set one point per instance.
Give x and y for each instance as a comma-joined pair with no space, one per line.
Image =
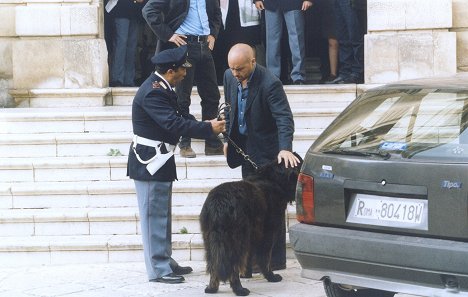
171,278
338,80
299,82
181,270
327,79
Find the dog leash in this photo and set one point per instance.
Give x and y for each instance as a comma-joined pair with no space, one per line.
222,115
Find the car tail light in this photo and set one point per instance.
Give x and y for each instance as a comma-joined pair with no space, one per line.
305,212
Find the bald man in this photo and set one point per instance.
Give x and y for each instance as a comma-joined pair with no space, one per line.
260,121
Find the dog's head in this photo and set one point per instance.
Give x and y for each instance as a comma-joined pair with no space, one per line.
284,178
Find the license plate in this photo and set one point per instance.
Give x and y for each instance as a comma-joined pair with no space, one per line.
388,211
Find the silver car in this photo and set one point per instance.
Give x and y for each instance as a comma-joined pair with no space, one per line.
382,198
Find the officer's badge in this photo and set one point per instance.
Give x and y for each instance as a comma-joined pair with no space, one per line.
156,85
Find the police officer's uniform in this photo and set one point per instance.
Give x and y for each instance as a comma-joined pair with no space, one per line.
157,127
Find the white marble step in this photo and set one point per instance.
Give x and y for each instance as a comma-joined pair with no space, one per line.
112,119
104,168
95,221
84,249
95,194
100,144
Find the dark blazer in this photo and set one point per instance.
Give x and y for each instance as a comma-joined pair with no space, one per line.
282,5
270,124
165,16
155,116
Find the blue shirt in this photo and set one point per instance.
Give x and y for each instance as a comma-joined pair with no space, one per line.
196,22
242,94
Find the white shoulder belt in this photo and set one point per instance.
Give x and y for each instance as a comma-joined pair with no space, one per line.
156,162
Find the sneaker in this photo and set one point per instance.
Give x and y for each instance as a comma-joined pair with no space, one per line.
187,152
212,151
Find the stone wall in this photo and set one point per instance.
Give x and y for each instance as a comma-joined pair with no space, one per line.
52,44
460,28
409,39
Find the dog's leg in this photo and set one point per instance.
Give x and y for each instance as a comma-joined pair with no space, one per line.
247,273
264,262
237,286
213,286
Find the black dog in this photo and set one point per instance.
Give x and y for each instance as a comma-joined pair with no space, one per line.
241,220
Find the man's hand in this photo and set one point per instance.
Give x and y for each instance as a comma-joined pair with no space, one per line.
211,41
218,126
259,5
306,5
178,39
288,157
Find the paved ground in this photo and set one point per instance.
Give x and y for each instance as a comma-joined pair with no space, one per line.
129,280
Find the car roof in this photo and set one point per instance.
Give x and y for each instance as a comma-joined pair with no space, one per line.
458,81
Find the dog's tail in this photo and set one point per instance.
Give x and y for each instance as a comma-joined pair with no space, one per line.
224,222
219,256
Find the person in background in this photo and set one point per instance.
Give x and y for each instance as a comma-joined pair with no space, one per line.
126,15
241,24
157,126
260,122
194,23
292,12
351,43
329,53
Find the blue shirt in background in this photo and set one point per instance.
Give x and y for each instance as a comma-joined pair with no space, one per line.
196,23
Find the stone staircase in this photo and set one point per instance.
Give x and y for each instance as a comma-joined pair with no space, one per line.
64,194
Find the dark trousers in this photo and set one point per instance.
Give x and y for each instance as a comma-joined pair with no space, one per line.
278,254
204,74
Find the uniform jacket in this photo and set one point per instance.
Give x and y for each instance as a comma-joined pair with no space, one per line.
165,16
282,5
270,124
155,116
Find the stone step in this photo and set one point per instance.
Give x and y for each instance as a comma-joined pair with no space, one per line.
96,194
111,119
100,144
95,221
299,96
91,249
306,95
104,168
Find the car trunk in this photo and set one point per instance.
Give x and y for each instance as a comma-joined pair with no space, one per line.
400,197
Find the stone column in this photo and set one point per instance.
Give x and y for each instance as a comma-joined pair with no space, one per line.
56,53
409,39
460,28
7,35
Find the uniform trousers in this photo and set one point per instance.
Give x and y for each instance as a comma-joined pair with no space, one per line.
154,204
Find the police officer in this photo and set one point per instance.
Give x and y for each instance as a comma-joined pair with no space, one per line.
157,127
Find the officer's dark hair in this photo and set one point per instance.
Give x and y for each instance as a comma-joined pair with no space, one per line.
163,68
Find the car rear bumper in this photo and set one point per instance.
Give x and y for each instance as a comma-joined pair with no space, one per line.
405,264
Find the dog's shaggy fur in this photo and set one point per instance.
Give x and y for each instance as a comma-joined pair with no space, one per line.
241,220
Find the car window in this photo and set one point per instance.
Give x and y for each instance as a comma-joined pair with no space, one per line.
409,124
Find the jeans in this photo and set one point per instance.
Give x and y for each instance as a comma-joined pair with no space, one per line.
203,71
351,40
125,45
294,20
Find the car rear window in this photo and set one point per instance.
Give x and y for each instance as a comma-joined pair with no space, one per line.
412,124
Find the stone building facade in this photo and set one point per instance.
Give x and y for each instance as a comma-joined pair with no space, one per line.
54,50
